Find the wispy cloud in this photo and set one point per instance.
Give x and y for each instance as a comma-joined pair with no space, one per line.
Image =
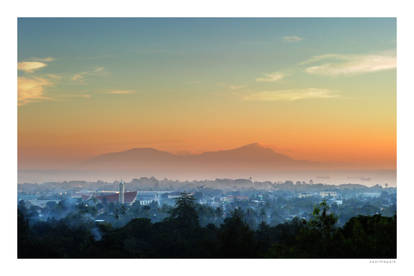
292,38
83,96
33,64
79,76
98,69
236,87
121,92
30,66
271,77
31,89
54,76
324,57
291,95
335,64
82,75
45,59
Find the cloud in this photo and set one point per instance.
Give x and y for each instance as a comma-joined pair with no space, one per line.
98,69
30,66
82,75
54,76
84,96
335,65
236,87
121,92
33,64
271,77
292,38
45,59
291,95
79,76
324,57
32,89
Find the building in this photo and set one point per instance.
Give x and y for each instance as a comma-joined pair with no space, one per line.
147,197
327,194
42,202
121,192
304,195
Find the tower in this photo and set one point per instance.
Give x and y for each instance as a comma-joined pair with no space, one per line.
121,192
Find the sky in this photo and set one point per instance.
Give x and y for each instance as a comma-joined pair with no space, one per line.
313,89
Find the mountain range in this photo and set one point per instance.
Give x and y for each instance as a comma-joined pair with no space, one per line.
252,160
252,156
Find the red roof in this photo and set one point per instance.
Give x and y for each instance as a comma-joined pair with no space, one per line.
129,197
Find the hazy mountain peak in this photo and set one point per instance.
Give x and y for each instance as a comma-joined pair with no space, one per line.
140,149
252,145
252,157
256,148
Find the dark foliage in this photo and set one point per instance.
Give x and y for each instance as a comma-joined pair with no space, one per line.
181,236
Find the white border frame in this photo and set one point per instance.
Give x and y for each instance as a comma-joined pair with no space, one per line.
213,8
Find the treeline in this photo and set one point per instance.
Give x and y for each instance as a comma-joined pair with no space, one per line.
181,236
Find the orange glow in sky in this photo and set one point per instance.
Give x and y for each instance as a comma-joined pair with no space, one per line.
191,87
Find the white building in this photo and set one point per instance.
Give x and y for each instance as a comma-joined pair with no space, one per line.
327,194
121,192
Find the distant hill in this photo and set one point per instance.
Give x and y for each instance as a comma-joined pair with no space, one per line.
253,157
248,161
248,153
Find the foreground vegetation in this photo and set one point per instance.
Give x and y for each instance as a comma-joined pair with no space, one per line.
181,236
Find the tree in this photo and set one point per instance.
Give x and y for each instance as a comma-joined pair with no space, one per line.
323,221
318,239
184,213
236,238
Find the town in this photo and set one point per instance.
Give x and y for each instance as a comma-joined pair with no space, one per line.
274,203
